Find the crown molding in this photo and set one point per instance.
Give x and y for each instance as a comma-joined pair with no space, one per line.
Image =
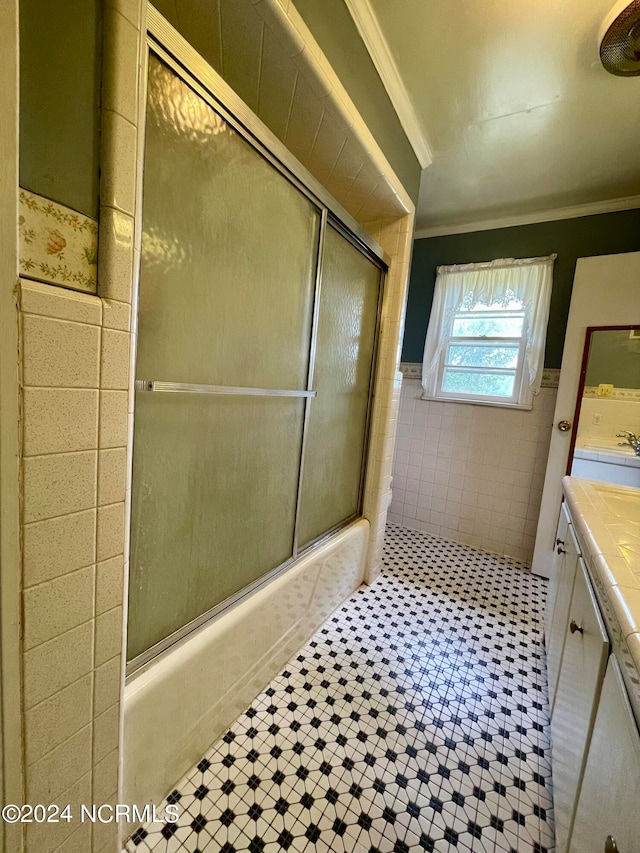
375,42
573,212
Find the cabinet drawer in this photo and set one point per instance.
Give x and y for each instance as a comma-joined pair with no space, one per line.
610,793
586,649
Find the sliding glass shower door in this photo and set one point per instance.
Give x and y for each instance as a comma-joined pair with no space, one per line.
336,434
235,323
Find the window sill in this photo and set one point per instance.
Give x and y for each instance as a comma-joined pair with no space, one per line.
526,407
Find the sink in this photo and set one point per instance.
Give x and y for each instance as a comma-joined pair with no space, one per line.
607,448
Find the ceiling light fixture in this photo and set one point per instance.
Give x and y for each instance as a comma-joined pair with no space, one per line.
620,40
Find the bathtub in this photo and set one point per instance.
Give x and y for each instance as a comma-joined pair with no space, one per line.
181,704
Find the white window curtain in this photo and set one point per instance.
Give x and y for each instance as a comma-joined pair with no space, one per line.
529,280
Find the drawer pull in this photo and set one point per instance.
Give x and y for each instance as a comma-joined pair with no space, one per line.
610,845
559,541
574,627
560,549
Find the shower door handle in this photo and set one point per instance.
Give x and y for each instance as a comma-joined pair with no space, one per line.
193,388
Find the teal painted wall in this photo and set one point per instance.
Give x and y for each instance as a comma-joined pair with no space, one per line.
603,234
336,33
60,60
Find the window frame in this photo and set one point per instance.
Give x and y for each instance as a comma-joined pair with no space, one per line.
461,396
515,399
483,289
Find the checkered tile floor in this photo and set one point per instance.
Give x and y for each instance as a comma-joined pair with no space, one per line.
415,719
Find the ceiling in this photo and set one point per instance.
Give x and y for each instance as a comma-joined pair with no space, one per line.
510,99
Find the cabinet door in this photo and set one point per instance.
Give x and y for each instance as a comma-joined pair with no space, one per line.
608,804
581,674
556,636
561,541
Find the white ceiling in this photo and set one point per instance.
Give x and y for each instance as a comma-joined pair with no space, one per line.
511,100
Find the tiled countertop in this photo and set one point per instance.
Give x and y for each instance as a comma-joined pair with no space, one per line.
606,518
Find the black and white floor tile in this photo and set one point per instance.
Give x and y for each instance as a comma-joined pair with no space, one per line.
416,719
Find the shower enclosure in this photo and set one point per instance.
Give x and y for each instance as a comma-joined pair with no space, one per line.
258,313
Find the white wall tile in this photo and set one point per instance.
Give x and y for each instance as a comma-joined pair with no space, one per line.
51,722
276,85
108,635
114,360
110,540
54,665
120,66
58,545
106,732
60,768
104,839
55,302
79,841
57,420
118,182
56,606
47,837
116,315
60,354
478,470
113,419
111,475
115,262
109,584
304,120
105,778
107,685
59,484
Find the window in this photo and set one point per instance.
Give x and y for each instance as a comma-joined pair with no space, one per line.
485,341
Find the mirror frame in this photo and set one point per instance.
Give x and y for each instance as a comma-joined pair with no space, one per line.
583,375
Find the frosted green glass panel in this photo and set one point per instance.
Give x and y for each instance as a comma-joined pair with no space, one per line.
229,252
338,416
214,496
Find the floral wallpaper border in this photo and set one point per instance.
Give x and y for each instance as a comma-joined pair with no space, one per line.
550,375
632,394
411,371
57,244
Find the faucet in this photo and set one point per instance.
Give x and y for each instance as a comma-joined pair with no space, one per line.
632,440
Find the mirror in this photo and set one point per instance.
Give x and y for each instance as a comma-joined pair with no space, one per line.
604,444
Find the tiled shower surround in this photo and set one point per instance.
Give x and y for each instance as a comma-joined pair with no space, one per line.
77,406
415,719
75,374
471,474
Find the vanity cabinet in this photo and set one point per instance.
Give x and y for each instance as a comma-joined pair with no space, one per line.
582,667
608,810
559,598
558,558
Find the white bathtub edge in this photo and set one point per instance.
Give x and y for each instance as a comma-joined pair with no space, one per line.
178,707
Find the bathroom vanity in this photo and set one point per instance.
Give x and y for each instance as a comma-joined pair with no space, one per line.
592,634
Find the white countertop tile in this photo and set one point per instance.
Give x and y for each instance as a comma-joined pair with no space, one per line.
608,517
626,606
607,523
613,570
633,644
